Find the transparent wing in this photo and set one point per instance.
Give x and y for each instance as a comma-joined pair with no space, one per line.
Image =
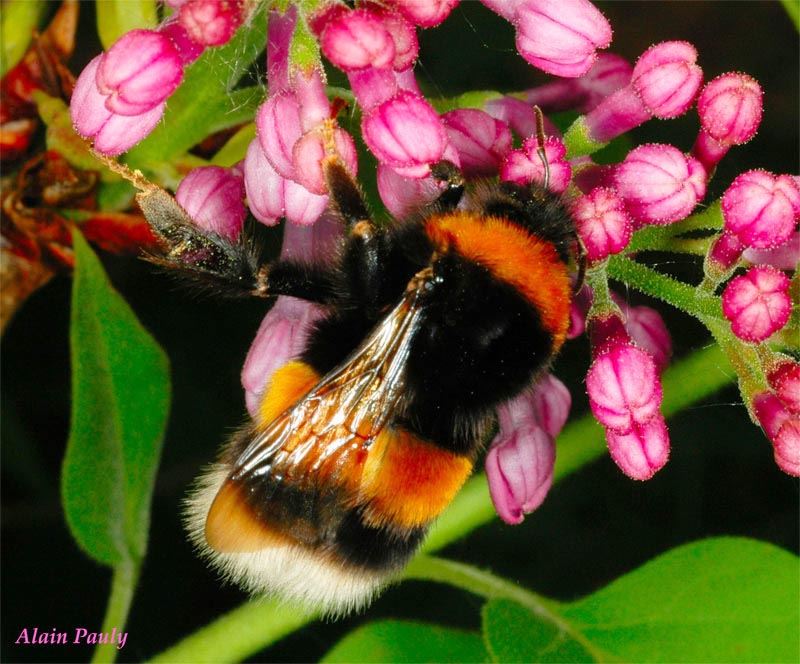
323,441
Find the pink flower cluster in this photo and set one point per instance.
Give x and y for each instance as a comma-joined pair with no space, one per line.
120,96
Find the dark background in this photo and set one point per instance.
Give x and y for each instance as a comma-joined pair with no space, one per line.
594,526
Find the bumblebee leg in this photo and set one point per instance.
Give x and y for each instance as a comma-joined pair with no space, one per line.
345,194
221,266
449,173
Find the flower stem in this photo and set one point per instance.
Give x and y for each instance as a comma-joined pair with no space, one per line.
123,584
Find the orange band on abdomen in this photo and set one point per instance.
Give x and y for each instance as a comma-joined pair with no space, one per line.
407,482
288,384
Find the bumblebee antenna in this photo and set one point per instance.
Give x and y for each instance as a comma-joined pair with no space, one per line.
540,138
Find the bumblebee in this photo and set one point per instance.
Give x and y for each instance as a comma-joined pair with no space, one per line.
364,439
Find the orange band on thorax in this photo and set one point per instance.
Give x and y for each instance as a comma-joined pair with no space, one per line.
530,264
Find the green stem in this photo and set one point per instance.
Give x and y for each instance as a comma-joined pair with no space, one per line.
254,626
658,238
680,295
238,634
123,584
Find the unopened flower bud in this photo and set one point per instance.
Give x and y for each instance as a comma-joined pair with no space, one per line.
519,465
425,13
139,72
402,195
761,209
278,128
649,332
405,133
211,22
356,40
730,109
624,388
560,37
643,450
214,198
602,223
524,166
112,133
757,303
782,429
481,141
784,379
664,83
272,197
550,401
660,184
309,153
667,78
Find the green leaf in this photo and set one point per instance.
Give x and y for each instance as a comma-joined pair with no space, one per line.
721,600
792,8
120,402
18,20
116,17
398,641
206,100
513,633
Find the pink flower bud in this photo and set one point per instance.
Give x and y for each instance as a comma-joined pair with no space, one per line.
784,379
602,223
724,254
643,450
187,48
356,40
577,312
272,197
730,108
757,303
372,87
214,198
402,195
560,36
480,140
667,78
278,128
283,332
649,332
784,256
211,22
139,72
425,13
660,184
524,166
404,36
608,74
550,401
761,209
519,465
624,388
783,430
405,133
113,134
309,152
518,115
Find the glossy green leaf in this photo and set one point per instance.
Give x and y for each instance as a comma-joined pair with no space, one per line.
397,641
120,402
206,100
18,20
514,634
116,17
717,600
